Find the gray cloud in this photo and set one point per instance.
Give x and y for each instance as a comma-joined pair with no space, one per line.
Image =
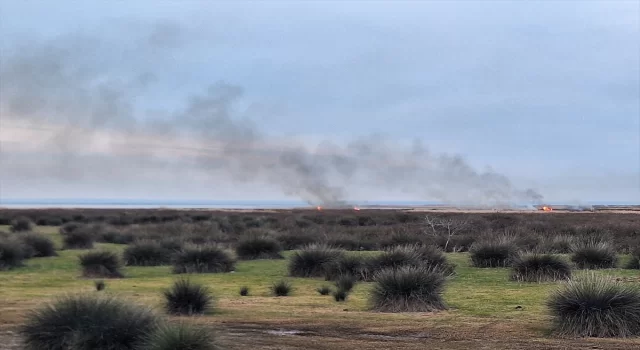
57,85
532,91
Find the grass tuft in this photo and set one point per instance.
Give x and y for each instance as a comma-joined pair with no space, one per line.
187,298
179,337
86,322
100,285
408,289
340,295
255,247
78,239
540,268
202,259
244,291
146,253
39,245
12,254
634,260
345,283
595,255
313,261
281,288
104,264
324,290
495,253
21,224
596,306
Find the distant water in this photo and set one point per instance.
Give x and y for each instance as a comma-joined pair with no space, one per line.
211,204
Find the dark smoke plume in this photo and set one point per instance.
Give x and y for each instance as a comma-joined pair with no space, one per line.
97,129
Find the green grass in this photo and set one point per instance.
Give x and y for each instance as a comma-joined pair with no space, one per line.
474,293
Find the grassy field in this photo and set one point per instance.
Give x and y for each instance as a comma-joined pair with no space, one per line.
486,310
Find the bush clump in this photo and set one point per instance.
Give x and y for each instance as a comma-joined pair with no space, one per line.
179,337
540,268
598,255
89,321
146,253
78,239
103,264
313,261
21,224
408,289
202,259
596,306
187,298
281,288
39,245
498,253
12,254
254,247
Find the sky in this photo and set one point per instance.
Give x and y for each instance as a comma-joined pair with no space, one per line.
541,95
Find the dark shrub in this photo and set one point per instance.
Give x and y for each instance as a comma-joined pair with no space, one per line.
324,290
39,245
103,264
21,224
408,289
498,253
340,295
244,291
594,256
254,247
634,260
352,243
352,265
100,285
281,288
12,253
179,337
187,298
146,253
596,306
345,283
87,322
202,259
78,239
540,268
312,261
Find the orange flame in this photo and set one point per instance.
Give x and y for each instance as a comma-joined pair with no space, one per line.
547,209
319,208
356,208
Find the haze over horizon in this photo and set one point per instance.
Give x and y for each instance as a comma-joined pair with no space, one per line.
464,102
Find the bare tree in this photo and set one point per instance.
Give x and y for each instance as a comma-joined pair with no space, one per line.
449,227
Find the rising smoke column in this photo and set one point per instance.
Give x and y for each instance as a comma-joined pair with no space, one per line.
98,129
